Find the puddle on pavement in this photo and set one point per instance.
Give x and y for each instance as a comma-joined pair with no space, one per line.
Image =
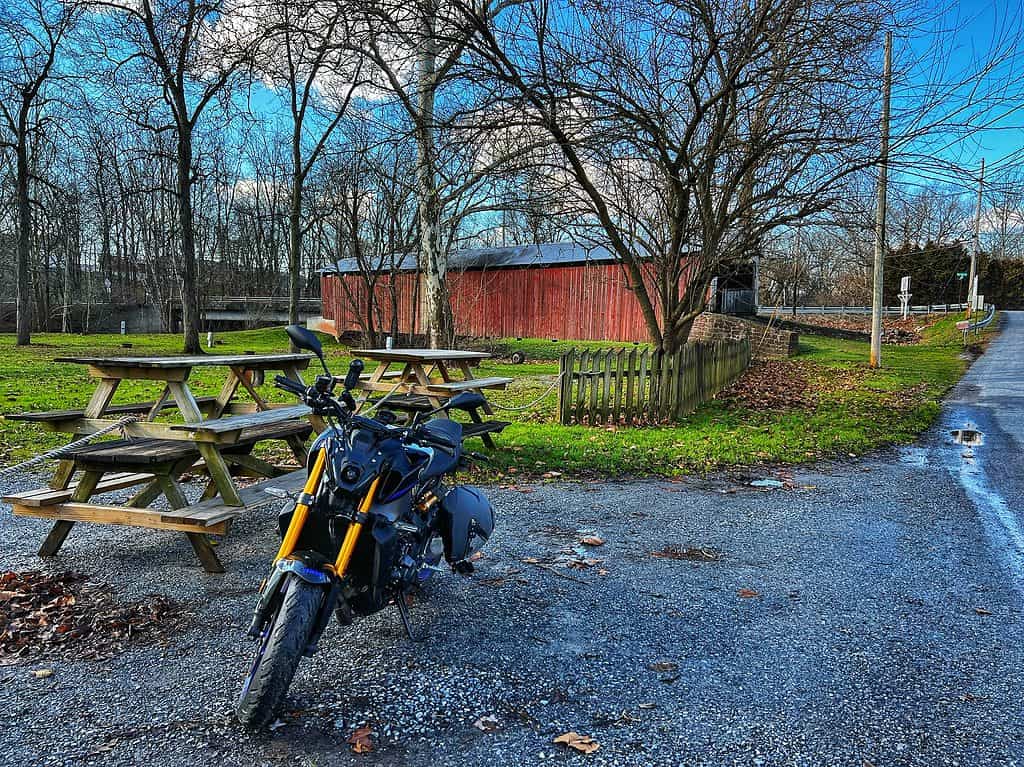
914,456
968,436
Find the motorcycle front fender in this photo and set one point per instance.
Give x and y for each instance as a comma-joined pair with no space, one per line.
270,591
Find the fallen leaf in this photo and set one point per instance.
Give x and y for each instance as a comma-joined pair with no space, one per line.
694,554
42,673
746,593
582,743
982,611
276,725
663,665
647,706
360,740
487,723
582,563
476,555
592,540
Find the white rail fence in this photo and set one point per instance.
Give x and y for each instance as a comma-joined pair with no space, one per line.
782,311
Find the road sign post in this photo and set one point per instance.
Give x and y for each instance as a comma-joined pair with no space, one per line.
905,295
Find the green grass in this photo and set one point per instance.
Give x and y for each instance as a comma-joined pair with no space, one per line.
857,409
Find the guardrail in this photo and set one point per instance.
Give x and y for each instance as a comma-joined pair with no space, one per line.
976,325
886,310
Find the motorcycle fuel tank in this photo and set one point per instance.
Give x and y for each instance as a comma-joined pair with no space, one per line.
467,521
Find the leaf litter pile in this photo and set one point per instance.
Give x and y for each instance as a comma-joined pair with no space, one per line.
772,385
62,615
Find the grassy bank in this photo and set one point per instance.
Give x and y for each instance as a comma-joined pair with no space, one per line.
843,406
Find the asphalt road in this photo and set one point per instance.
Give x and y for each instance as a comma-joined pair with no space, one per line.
886,628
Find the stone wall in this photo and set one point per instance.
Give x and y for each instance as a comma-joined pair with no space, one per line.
765,342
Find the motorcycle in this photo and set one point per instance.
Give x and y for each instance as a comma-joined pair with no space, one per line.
371,525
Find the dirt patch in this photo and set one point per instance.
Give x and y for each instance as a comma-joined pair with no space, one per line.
771,385
63,615
894,331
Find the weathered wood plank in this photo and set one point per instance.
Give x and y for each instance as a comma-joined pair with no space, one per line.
111,515
237,423
496,382
47,497
253,497
248,361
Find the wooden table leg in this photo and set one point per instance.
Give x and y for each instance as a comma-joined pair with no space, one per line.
201,546
98,403
59,533
215,465
486,437
200,542
55,539
424,380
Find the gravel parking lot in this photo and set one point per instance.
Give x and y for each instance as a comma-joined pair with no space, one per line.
883,631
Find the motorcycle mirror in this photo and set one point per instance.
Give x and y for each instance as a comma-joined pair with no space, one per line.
306,339
355,367
467,400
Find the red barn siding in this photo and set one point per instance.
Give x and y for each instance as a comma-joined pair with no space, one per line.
586,302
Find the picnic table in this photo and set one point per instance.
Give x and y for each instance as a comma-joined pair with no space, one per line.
213,435
423,379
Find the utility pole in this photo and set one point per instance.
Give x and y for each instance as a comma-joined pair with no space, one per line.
883,179
972,287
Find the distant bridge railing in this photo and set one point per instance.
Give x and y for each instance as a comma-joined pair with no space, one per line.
779,311
257,309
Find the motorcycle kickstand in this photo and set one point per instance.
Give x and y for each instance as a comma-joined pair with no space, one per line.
403,610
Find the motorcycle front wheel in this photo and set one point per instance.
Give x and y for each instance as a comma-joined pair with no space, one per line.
281,646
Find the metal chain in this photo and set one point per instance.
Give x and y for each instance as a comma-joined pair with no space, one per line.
528,405
60,451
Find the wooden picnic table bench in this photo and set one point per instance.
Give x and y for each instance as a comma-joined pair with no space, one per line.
216,439
427,378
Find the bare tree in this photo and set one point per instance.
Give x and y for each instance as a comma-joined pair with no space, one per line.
416,47
310,58
31,33
189,50
692,128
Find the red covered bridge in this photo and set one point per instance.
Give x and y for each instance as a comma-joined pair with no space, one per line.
554,290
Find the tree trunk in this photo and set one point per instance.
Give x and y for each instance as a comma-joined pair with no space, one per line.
189,290
433,261
295,229
23,297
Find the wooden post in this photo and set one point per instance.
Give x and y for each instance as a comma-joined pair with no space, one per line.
883,177
617,410
630,376
606,400
565,389
642,386
972,288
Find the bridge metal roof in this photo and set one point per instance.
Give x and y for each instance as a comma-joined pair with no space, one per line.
513,256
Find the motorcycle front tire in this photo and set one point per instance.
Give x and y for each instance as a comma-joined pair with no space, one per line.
281,647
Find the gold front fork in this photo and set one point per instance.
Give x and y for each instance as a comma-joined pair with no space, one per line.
352,534
301,513
291,537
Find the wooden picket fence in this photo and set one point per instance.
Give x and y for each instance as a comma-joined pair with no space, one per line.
620,386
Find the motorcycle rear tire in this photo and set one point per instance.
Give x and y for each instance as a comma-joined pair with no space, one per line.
280,649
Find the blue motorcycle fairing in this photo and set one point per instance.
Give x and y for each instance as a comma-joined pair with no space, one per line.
309,574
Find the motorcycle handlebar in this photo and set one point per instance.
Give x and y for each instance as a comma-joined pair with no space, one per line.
287,384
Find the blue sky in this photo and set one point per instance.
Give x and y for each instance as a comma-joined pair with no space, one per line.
965,35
